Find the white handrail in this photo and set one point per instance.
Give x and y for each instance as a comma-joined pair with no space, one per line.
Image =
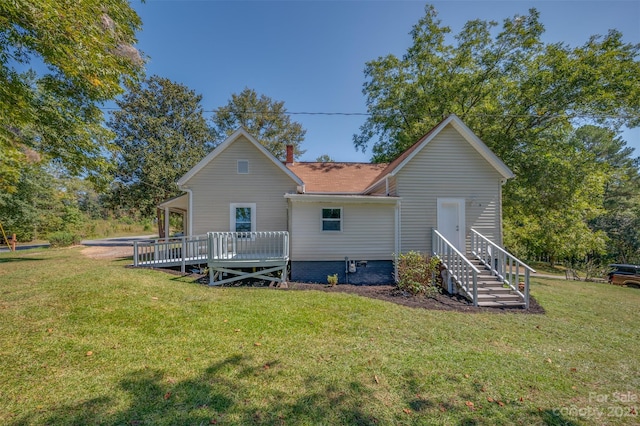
457,264
229,246
174,250
502,264
249,245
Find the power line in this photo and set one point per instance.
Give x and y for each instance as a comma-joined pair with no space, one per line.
270,112
479,114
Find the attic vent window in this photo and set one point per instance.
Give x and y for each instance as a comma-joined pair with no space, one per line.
243,167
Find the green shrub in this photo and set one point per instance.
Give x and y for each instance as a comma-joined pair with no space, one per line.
415,272
146,225
63,239
332,279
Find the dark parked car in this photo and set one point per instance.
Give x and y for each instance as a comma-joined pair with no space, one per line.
622,274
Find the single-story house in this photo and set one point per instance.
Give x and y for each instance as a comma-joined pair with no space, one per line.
350,219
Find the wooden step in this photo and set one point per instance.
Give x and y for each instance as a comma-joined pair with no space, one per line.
501,304
490,282
499,297
493,290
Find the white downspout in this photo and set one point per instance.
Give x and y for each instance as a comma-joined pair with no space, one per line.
501,230
397,247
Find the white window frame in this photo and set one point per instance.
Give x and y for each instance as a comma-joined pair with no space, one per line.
232,215
322,219
238,167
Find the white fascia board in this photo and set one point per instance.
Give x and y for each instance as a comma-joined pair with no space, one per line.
469,136
173,201
432,134
379,182
353,199
220,148
481,147
179,201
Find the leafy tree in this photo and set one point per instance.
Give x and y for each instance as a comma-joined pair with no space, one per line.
523,98
58,61
621,216
324,158
512,89
36,207
552,221
162,133
264,118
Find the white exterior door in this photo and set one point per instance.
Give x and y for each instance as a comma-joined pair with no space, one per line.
451,223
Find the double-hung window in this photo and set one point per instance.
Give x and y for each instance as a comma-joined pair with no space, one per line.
332,219
243,217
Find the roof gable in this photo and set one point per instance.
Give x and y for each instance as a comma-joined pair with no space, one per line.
241,132
180,202
396,165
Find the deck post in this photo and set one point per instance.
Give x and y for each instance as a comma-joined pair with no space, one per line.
210,255
183,253
526,289
475,288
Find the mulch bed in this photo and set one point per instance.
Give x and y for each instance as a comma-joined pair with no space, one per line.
442,301
390,293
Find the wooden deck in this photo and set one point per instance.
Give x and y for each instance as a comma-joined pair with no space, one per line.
230,256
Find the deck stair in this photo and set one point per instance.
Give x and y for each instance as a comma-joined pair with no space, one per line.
487,275
492,291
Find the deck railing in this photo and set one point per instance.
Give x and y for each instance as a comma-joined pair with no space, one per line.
171,251
249,245
214,246
458,266
502,264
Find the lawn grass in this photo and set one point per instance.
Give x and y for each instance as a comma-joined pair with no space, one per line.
545,268
91,342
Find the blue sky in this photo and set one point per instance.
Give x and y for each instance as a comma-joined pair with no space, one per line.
311,54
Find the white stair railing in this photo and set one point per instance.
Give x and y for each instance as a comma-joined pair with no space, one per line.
458,266
502,264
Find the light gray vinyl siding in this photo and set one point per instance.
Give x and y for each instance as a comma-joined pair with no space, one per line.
218,185
393,186
384,185
447,167
379,189
367,232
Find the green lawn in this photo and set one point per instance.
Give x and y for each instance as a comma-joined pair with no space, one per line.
91,342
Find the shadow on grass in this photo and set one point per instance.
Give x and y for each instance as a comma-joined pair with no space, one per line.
554,418
224,393
18,259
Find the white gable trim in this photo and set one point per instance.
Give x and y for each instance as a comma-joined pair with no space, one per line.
181,202
481,147
470,137
224,145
